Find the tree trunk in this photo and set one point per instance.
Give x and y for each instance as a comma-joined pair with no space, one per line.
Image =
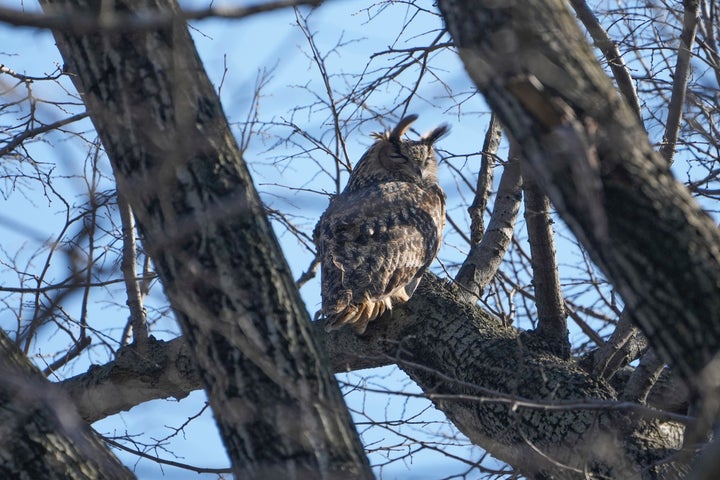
278,407
591,156
41,434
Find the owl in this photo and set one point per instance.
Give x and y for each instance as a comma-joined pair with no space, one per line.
378,236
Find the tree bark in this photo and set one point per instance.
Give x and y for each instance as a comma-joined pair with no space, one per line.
592,157
277,405
541,414
41,434
498,385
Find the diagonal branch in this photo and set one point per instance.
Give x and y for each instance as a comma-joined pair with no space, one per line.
176,162
485,180
610,51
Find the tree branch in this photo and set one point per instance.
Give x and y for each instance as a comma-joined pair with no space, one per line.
486,256
79,21
610,51
552,317
485,180
680,79
128,266
492,381
592,157
178,165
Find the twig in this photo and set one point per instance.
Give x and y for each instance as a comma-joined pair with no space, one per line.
138,319
74,351
184,466
18,139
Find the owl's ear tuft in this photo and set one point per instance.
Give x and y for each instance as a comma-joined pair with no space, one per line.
402,127
435,135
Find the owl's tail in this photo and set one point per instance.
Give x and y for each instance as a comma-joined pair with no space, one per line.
357,316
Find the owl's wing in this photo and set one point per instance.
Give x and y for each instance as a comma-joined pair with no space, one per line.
373,243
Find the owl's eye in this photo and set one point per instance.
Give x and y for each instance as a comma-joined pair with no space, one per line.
397,158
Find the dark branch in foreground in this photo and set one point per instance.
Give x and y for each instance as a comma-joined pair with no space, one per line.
79,21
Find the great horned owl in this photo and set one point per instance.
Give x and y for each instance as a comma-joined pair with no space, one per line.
377,237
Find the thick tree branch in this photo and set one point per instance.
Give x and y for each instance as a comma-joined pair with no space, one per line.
495,383
137,375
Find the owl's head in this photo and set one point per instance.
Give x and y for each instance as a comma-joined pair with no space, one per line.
392,158
414,159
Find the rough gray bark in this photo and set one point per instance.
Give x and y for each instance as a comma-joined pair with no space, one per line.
277,405
592,157
502,389
41,433
138,374
497,384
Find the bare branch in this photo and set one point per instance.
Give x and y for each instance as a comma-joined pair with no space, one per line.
485,180
485,257
643,378
625,345
128,265
80,22
19,139
611,52
37,417
680,79
552,323
163,461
